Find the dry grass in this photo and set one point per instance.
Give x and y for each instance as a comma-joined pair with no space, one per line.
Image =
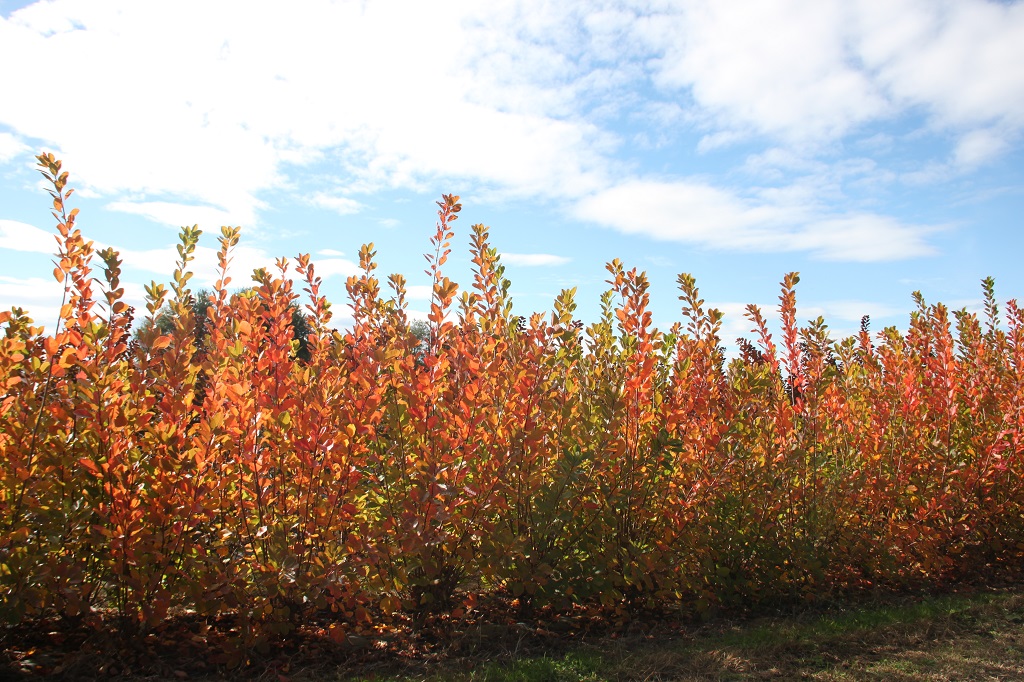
978,635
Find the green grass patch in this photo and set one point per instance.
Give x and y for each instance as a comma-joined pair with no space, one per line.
947,637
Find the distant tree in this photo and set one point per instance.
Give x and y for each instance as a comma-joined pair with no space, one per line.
421,330
200,304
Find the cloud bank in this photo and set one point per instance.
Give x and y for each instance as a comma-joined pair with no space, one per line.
182,120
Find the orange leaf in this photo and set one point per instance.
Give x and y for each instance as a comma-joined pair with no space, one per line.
90,466
337,633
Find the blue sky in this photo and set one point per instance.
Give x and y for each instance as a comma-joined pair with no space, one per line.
876,147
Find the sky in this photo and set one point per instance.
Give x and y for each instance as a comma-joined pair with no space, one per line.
873,146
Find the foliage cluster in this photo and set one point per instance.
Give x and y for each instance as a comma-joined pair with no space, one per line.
615,465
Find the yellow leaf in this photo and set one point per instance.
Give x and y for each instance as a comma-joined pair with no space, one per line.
389,605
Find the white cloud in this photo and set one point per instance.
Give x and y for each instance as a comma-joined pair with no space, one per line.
514,99
10,147
340,205
24,237
177,215
330,267
978,147
220,122
975,148
419,292
863,237
39,298
161,262
811,72
774,159
722,138
420,315
780,68
735,325
687,211
533,259
244,259
329,252
775,220
26,291
953,57
852,310
842,317
661,261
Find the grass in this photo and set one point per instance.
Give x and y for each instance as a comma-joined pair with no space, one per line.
970,635
976,636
